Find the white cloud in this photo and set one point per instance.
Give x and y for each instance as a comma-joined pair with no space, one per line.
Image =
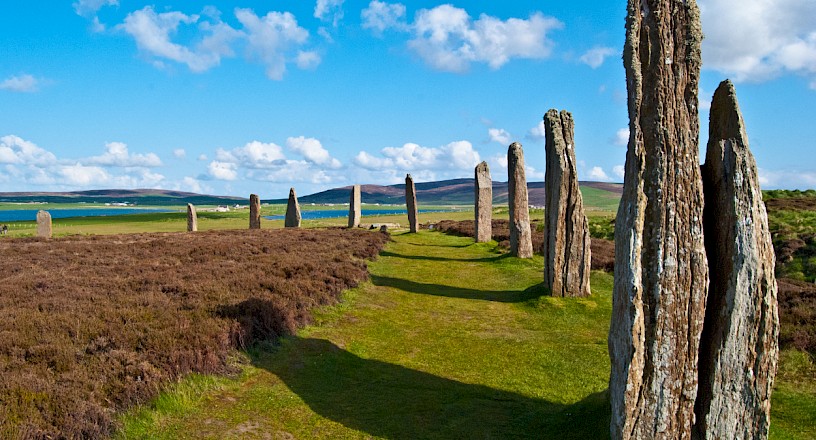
308,60
294,171
757,40
462,155
379,16
787,179
597,174
202,157
254,154
223,170
117,155
22,83
312,150
499,135
270,38
413,158
91,7
595,57
15,150
621,137
326,8
538,133
193,185
179,153
619,171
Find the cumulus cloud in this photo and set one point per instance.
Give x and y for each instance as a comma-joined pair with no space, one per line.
757,40
380,16
91,7
598,174
23,83
222,170
448,39
412,158
295,171
308,60
312,150
621,137
538,133
193,185
329,9
117,155
179,153
619,171
499,135
595,57
270,38
15,150
787,178
254,154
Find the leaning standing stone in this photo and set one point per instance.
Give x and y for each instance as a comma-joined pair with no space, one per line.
411,202
192,218
292,219
739,347
661,272
44,228
567,244
521,241
254,212
484,204
354,207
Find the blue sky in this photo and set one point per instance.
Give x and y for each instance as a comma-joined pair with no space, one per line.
256,96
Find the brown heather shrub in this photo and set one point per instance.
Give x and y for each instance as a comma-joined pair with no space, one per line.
797,314
92,325
603,251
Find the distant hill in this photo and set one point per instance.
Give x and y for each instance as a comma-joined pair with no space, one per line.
445,192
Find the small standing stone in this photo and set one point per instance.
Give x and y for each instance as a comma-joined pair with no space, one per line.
254,212
411,202
192,218
292,219
739,346
521,241
354,207
44,228
567,244
484,204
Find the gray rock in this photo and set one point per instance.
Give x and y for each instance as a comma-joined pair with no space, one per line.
383,228
567,243
44,227
292,219
661,272
521,240
254,212
411,203
739,347
484,204
192,218
354,207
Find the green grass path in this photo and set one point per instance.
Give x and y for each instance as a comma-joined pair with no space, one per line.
449,340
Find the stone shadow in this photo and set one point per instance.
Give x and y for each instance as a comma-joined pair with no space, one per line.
395,402
505,296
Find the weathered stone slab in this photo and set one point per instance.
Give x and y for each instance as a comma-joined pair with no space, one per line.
292,219
411,203
44,227
192,218
521,240
484,204
661,272
739,347
567,246
254,212
355,212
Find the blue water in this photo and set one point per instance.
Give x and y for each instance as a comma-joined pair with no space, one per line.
16,215
337,213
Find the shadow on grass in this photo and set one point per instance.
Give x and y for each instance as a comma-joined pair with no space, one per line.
429,258
505,296
395,402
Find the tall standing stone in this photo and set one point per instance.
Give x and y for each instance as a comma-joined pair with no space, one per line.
739,347
44,228
484,204
354,207
411,202
567,244
254,212
521,241
192,218
292,219
661,272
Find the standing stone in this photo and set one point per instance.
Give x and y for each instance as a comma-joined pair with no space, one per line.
354,207
292,219
254,212
44,228
566,235
521,240
661,272
411,202
484,204
192,218
739,347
